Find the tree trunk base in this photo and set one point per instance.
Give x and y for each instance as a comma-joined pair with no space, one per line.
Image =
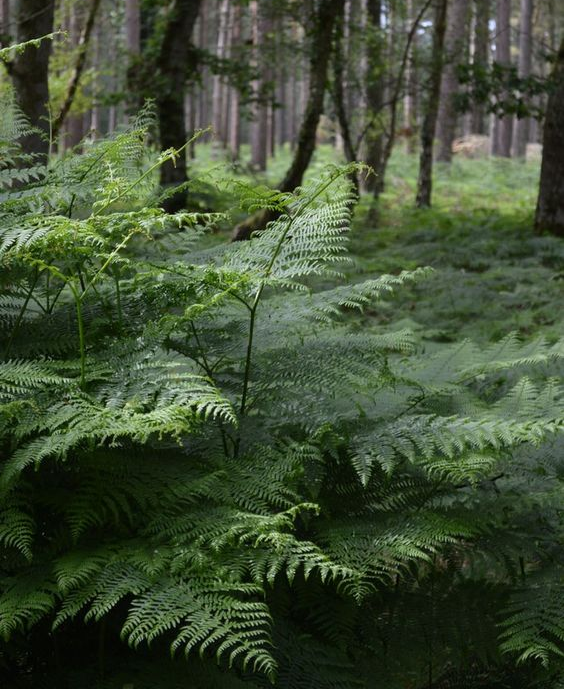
255,223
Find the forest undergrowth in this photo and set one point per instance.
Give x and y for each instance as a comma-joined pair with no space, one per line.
492,276
280,455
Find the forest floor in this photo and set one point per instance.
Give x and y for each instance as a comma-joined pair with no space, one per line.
493,275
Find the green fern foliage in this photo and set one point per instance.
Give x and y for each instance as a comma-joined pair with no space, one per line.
199,454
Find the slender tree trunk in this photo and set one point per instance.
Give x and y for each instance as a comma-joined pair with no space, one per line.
259,126
323,23
504,126
226,99
272,77
204,118
522,126
95,119
218,92
281,114
271,128
234,114
133,44
394,97
30,70
349,149
425,180
456,33
133,27
291,105
375,98
480,59
410,101
550,205
71,132
190,119
171,65
320,53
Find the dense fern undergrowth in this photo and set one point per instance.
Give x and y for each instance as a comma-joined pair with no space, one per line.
230,465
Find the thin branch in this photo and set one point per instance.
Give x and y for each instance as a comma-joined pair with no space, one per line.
72,87
393,102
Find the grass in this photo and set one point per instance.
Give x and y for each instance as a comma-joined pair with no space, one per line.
493,275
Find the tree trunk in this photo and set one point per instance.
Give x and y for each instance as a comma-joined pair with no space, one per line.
133,45
504,125
425,179
550,205
410,101
173,61
323,23
322,40
133,27
204,117
522,126
457,23
375,98
95,115
291,105
30,71
348,146
480,60
234,114
259,125
218,91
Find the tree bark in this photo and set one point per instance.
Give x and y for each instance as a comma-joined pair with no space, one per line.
133,27
323,23
30,71
174,60
425,179
456,33
550,205
480,60
522,126
503,130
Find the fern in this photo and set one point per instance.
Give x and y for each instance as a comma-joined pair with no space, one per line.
199,453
